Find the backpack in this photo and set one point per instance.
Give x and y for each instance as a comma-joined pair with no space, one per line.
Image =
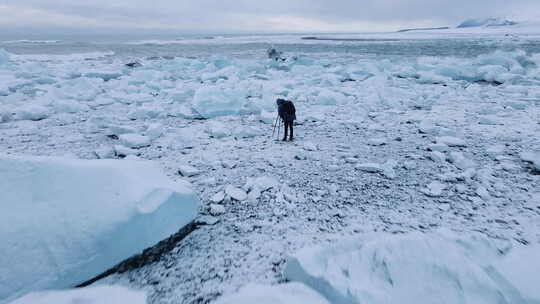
288,108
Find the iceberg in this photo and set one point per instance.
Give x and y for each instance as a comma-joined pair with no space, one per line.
328,97
145,112
531,157
438,267
213,101
217,130
65,221
521,268
90,295
154,131
69,106
135,141
32,112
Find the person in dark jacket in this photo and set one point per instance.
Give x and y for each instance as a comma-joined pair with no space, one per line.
287,112
275,54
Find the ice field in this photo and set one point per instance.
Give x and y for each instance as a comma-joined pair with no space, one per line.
413,153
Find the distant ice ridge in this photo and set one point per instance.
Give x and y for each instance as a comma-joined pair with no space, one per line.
486,22
419,268
497,68
64,221
28,41
67,57
89,295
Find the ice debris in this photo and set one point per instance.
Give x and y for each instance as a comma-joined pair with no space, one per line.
310,146
236,193
437,157
105,152
217,130
122,151
369,167
154,131
531,157
434,189
32,112
141,113
262,183
460,161
451,141
117,130
489,120
218,197
207,220
428,128
188,171
217,210
438,148
135,141
388,168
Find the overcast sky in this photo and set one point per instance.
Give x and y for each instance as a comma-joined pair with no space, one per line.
251,15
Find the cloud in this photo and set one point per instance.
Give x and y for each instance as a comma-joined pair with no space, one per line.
251,15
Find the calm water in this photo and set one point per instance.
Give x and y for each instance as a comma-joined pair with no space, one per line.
255,46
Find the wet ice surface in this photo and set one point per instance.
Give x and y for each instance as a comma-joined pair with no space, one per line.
383,144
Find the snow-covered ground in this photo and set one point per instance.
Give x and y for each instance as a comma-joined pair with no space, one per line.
383,144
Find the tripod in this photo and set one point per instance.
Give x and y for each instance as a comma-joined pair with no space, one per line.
277,123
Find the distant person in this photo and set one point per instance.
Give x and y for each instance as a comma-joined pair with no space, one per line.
287,112
274,54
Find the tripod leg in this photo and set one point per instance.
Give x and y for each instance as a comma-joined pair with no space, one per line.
279,128
275,124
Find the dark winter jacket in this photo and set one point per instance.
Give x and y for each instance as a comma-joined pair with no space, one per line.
286,110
